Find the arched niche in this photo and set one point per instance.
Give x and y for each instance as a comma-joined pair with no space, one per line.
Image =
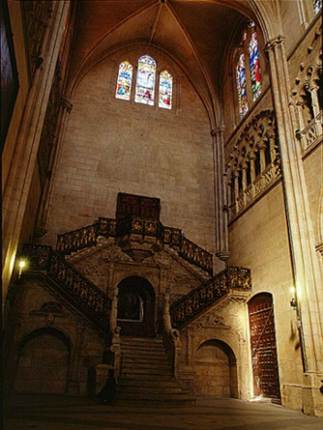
43,362
215,369
136,307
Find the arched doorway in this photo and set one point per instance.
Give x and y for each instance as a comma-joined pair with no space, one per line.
215,369
136,307
263,346
43,359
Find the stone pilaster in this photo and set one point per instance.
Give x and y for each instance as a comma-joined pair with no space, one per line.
220,197
19,180
307,272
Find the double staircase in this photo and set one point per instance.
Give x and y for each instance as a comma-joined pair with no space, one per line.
146,374
146,367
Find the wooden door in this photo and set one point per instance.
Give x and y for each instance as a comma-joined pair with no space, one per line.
263,346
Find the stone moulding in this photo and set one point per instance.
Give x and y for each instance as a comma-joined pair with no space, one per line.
254,165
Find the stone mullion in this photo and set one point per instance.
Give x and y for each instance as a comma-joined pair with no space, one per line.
309,285
220,197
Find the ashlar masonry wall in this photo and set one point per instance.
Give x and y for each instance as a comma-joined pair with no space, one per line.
259,240
115,145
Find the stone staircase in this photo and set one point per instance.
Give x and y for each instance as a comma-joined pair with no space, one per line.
146,374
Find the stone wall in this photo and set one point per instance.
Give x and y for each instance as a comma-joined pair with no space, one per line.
113,145
258,240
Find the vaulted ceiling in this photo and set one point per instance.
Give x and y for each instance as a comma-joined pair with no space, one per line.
195,33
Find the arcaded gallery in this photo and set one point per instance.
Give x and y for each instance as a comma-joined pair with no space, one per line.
162,189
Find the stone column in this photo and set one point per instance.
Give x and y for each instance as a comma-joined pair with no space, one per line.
252,157
308,275
19,180
220,195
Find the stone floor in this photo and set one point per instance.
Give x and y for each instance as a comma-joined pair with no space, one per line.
70,413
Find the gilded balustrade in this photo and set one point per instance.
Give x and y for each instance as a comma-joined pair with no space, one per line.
87,236
70,283
192,304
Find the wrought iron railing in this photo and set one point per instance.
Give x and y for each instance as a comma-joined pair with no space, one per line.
187,307
87,236
77,289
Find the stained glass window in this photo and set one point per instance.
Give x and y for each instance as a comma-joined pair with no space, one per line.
123,88
165,90
146,76
254,63
317,6
242,85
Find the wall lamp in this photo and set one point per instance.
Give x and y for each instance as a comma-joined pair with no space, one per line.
22,266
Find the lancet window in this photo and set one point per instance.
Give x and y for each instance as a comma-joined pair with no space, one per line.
146,83
123,88
248,70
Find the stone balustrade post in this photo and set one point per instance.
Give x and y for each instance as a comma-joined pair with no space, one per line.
307,272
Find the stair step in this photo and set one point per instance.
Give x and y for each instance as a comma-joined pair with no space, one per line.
145,371
153,390
144,365
150,383
155,396
143,349
142,377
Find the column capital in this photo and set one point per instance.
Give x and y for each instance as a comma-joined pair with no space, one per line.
278,40
217,130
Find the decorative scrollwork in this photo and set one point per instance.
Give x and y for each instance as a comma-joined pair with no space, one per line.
192,304
70,283
173,237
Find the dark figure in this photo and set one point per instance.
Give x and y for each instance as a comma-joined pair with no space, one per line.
108,392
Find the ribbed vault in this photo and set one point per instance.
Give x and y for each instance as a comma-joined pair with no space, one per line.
196,33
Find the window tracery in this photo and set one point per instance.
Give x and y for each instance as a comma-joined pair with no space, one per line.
123,88
146,77
242,86
248,69
145,87
165,90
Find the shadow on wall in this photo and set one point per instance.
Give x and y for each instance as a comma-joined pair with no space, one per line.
215,370
43,362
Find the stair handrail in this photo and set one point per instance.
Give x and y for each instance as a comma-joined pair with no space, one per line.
189,306
171,336
71,284
87,236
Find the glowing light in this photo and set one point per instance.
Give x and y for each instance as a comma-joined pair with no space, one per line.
22,265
